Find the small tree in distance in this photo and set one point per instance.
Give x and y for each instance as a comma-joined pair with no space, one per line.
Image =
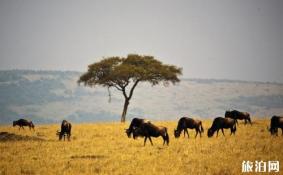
124,74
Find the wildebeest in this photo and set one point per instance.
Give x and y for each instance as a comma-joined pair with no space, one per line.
23,122
65,130
222,123
184,123
237,115
135,123
275,123
148,130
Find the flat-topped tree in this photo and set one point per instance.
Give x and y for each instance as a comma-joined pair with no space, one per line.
124,74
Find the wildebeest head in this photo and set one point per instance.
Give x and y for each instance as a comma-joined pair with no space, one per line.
14,123
128,132
273,131
210,132
32,125
177,133
58,133
228,114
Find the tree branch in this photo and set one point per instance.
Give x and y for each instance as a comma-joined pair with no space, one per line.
127,82
119,88
132,89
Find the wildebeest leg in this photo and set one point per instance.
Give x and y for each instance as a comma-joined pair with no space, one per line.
196,133
237,121
150,140
144,141
184,133
222,132
217,132
164,138
186,130
231,129
23,127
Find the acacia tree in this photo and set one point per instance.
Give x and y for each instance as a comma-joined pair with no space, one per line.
124,74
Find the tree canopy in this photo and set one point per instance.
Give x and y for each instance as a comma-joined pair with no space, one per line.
120,72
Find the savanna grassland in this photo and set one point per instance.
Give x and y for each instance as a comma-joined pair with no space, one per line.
104,148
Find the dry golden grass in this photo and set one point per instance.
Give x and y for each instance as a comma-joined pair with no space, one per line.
105,149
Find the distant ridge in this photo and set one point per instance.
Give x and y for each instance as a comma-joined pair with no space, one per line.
50,96
199,80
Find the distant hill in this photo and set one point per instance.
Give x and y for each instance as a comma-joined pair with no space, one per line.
50,96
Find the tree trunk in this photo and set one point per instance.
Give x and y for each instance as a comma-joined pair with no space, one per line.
126,104
127,100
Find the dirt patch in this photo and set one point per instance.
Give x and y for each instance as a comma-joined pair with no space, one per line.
5,136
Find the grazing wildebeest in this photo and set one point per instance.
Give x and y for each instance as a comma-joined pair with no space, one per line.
65,130
135,123
184,123
23,122
222,123
237,115
275,123
148,130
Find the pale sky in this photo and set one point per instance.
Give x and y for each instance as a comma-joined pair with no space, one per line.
222,39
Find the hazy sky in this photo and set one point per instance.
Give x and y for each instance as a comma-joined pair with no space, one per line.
239,39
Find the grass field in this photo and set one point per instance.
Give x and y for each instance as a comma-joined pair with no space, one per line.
105,149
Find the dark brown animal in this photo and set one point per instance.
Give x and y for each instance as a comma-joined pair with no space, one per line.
275,123
222,123
66,128
135,123
237,115
148,130
184,123
23,122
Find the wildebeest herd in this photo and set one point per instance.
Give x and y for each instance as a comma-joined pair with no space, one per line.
145,128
